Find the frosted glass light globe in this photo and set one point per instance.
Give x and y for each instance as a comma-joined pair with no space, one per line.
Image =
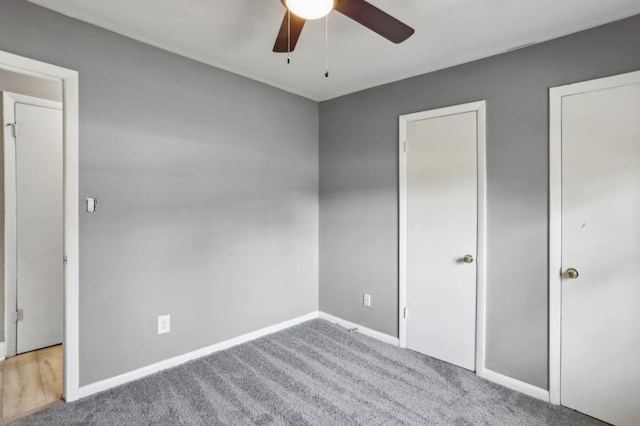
310,9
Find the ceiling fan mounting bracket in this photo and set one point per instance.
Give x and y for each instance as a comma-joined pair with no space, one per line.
284,3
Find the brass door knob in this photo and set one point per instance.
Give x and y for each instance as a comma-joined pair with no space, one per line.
467,258
572,273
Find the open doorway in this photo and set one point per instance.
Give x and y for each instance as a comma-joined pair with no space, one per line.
32,235
39,235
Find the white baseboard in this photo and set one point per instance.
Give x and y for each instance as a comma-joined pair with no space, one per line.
501,379
363,330
112,382
517,385
106,384
3,351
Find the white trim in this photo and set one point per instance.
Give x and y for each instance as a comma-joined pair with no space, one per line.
517,385
31,100
121,379
10,223
10,205
69,79
3,351
142,372
360,329
402,233
555,246
481,275
480,108
555,213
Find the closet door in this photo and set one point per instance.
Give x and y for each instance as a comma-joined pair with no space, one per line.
600,349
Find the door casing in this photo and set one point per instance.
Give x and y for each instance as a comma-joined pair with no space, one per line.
555,213
71,205
480,109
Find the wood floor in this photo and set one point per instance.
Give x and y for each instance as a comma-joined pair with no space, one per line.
30,381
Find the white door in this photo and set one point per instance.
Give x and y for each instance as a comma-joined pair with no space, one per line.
442,218
600,349
37,176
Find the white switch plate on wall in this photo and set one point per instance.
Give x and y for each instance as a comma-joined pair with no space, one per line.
367,300
92,203
164,324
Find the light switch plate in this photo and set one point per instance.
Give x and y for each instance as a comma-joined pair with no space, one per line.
92,203
367,300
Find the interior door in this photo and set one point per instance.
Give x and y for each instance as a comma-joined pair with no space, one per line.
39,226
600,350
442,208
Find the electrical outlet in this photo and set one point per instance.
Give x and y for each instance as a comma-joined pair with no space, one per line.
367,300
164,324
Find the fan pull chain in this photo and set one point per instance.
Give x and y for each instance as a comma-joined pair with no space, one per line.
288,36
326,47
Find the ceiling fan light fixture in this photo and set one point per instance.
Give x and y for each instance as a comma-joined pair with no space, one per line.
310,9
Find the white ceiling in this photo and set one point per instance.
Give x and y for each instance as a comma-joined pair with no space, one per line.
238,35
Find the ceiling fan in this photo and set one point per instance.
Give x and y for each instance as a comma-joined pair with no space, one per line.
360,11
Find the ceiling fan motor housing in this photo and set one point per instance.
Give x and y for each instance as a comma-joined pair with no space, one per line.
360,11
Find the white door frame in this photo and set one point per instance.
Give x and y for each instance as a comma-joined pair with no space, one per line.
69,79
555,213
10,209
480,109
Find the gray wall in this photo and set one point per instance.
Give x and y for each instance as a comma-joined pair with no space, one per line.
359,197
208,191
208,194
24,85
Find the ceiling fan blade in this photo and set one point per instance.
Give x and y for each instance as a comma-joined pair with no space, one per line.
375,19
282,42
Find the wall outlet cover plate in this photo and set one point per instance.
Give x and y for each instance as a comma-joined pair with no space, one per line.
164,324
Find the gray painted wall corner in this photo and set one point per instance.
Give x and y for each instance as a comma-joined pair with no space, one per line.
358,186
208,194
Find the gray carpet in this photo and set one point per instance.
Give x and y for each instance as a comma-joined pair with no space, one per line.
314,374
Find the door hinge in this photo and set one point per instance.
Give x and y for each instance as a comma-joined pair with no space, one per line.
14,129
405,146
18,315
405,313
65,259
